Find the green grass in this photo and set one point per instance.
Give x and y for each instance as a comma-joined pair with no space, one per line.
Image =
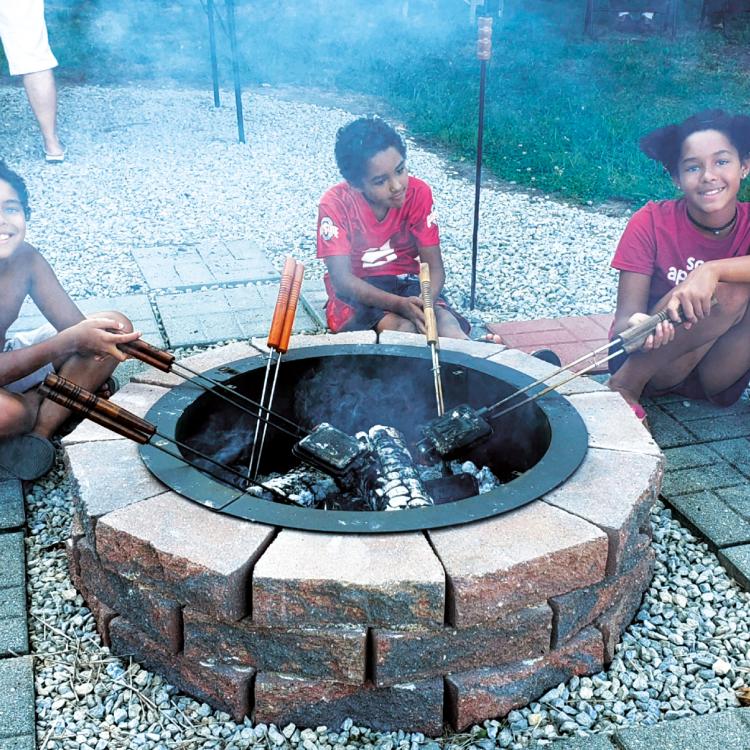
563,113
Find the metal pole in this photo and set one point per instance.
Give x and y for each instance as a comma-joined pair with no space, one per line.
235,71
212,43
484,51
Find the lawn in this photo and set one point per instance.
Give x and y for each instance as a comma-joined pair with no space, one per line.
563,113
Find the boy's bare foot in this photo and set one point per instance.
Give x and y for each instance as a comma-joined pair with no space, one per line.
492,338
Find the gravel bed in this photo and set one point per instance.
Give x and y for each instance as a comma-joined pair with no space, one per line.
155,167
152,167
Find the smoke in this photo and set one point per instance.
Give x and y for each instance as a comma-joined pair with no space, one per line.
353,395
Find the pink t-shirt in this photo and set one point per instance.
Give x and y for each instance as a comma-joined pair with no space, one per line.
660,241
347,226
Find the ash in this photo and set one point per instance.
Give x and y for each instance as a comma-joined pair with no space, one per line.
391,480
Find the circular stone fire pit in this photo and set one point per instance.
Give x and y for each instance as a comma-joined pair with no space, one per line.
395,630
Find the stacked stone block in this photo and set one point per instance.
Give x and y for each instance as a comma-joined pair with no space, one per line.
394,631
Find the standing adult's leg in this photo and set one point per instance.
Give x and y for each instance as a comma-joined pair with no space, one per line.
42,93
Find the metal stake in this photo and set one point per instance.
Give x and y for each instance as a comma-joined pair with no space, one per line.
235,71
484,52
212,42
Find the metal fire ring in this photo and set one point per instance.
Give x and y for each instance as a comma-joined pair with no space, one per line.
566,451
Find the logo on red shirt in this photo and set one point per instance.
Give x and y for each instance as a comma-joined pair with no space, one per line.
328,230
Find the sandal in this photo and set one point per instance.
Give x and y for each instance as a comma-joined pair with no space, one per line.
105,391
26,456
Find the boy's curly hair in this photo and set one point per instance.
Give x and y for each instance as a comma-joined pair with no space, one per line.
359,141
16,182
665,144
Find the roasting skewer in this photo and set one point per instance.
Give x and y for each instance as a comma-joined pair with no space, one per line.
71,396
278,339
274,337
431,331
463,426
164,361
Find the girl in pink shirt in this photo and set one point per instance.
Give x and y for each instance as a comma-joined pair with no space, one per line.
678,254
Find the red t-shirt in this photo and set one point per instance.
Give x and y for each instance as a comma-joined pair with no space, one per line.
347,226
660,241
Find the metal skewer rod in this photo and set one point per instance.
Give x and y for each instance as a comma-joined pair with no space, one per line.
630,340
274,337
283,346
431,332
165,362
71,396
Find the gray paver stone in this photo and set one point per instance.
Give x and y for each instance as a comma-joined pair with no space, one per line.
737,561
689,457
737,452
711,477
215,261
737,498
592,742
12,559
728,730
17,691
206,317
14,636
688,410
12,602
722,427
666,430
713,519
12,515
26,742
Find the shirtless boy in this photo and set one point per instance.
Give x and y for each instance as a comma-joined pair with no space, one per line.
81,349
374,229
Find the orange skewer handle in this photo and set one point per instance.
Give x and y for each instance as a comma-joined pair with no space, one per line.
140,349
282,302
91,406
291,310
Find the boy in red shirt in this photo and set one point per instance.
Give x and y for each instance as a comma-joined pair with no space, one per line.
373,231
81,349
678,254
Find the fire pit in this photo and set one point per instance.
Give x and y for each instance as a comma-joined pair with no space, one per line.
533,450
396,619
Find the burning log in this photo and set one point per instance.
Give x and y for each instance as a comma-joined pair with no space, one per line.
399,485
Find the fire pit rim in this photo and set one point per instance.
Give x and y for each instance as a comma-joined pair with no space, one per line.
567,449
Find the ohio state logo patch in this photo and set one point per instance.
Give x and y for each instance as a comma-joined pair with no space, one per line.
328,230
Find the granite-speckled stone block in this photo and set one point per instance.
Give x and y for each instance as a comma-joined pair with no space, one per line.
413,653
17,703
226,688
203,557
479,693
410,706
619,506
512,561
110,475
328,653
307,578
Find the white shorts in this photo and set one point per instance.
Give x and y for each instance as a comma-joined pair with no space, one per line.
24,36
21,340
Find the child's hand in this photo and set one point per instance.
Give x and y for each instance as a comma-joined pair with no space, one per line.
99,337
663,333
693,296
412,309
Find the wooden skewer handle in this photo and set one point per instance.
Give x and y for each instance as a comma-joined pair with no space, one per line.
429,308
291,310
633,337
158,358
105,413
282,303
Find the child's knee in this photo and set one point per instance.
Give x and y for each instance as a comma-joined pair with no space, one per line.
733,298
16,415
118,317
